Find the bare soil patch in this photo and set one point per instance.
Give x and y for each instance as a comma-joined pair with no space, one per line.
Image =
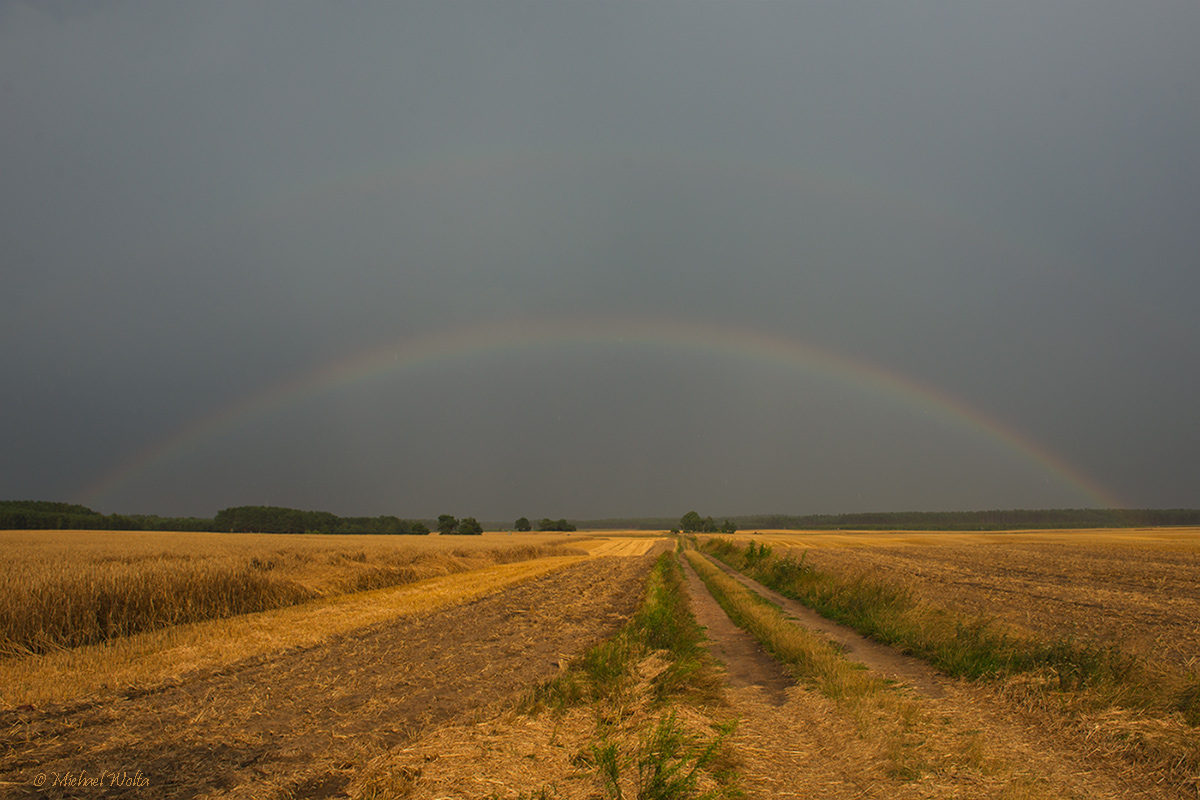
300,722
747,665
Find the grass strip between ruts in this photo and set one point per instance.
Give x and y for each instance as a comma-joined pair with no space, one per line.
666,760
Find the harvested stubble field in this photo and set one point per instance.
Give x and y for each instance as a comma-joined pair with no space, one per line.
1135,589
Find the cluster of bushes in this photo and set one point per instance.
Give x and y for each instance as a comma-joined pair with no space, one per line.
544,524
554,525
467,526
691,522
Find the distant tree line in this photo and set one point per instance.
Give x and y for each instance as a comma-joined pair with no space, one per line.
273,519
1009,519
42,515
934,520
1015,519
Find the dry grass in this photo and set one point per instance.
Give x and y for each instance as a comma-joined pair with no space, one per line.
517,756
64,589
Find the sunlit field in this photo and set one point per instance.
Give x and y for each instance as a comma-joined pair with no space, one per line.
84,610
71,588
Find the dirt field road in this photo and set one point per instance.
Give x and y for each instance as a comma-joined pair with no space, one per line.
796,742
301,722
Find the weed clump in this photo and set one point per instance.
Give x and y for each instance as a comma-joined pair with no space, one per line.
662,626
668,762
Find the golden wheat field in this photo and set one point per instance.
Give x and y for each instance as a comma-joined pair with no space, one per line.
277,701
85,610
70,588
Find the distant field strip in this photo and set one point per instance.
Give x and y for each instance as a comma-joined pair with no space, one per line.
622,547
163,655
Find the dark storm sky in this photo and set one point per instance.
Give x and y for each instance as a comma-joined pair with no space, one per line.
994,206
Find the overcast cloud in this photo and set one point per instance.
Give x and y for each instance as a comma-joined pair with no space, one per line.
995,203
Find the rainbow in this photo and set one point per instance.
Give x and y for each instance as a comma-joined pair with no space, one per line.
512,336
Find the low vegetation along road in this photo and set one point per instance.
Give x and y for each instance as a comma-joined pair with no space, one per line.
618,670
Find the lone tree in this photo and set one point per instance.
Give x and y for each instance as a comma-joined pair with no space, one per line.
470,527
523,524
447,525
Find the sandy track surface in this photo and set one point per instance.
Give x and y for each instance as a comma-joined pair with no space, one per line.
300,722
747,665
879,658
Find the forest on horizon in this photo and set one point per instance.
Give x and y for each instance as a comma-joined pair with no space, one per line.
44,515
